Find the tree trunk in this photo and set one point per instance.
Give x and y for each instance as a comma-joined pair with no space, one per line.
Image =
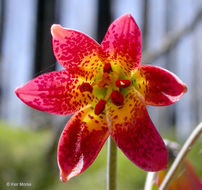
44,58
104,18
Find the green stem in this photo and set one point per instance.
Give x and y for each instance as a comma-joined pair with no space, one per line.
180,157
111,165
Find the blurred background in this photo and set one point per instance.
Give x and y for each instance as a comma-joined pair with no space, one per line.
171,32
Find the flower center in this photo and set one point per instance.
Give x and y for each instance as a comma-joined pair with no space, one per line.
111,83
105,81
108,87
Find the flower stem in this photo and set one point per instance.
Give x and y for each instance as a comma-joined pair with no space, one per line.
111,164
180,157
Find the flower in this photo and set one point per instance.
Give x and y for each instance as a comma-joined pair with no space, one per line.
185,179
108,90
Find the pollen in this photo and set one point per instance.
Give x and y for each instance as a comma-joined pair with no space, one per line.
123,83
117,98
100,106
107,68
85,87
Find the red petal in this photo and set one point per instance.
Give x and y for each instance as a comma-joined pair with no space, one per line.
74,49
55,92
189,179
186,178
135,134
158,86
123,42
80,143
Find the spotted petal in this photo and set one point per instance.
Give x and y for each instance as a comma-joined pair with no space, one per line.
135,134
158,86
74,49
80,143
122,43
55,92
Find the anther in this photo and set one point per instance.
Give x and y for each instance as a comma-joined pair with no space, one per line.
107,68
85,87
123,83
100,106
117,98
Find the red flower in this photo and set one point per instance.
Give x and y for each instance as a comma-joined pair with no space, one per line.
108,90
186,178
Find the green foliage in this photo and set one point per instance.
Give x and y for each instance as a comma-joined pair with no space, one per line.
195,156
155,187
22,155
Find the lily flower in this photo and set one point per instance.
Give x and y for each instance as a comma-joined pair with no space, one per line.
107,89
185,179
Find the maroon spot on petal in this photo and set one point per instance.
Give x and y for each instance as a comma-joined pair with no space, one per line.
91,117
115,117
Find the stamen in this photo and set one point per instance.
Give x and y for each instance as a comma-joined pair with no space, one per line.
100,106
85,87
123,83
117,98
107,68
